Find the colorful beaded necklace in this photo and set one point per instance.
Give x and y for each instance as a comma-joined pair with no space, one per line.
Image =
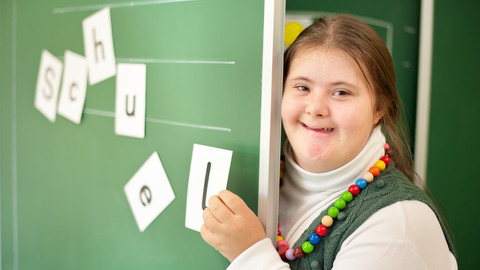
333,212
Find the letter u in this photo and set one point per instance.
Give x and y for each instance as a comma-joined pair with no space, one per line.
132,112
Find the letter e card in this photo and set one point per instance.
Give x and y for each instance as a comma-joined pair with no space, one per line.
149,192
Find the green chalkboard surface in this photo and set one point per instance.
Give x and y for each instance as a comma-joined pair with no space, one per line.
455,99
62,184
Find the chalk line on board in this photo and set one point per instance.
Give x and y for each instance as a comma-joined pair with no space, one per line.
167,61
164,61
158,121
114,5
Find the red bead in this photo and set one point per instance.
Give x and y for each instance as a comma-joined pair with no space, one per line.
321,230
281,251
279,233
374,170
386,160
282,243
298,252
354,189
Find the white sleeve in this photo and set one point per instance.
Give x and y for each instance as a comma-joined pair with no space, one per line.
404,235
262,255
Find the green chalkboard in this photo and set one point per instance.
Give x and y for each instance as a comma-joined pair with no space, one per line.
63,204
397,22
455,123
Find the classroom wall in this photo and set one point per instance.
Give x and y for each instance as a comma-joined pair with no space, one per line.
455,123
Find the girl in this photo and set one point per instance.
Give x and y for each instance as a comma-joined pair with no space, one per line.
346,199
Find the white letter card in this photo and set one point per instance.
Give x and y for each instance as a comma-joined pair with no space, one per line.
149,192
74,87
48,84
98,44
209,171
130,100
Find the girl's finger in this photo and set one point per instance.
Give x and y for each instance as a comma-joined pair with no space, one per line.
209,220
208,235
234,203
219,209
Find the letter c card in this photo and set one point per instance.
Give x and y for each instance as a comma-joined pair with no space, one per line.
74,87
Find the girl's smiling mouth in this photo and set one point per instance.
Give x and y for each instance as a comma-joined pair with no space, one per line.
323,130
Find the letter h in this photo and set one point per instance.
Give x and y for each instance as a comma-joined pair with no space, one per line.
98,44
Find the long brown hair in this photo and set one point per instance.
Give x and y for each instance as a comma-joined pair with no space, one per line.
370,53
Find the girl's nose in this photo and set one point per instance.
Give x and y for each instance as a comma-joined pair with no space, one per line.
317,105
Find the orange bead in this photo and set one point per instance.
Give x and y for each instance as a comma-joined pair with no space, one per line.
374,170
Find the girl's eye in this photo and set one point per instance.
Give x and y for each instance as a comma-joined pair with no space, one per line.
341,92
302,88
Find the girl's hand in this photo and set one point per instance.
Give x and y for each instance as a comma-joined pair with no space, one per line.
229,225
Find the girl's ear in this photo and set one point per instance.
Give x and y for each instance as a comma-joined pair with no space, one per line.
379,113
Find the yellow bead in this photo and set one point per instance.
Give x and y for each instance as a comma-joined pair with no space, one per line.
368,176
279,238
292,30
327,221
381,165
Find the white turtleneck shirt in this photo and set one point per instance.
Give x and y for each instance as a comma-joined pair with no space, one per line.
404,235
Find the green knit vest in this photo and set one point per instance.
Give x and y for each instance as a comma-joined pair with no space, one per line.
389,187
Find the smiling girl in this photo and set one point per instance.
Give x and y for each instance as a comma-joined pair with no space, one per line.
347,199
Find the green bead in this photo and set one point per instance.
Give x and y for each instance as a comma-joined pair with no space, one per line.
333,211
340,203
307,247
347,196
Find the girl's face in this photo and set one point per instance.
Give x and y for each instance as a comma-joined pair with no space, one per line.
328,110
